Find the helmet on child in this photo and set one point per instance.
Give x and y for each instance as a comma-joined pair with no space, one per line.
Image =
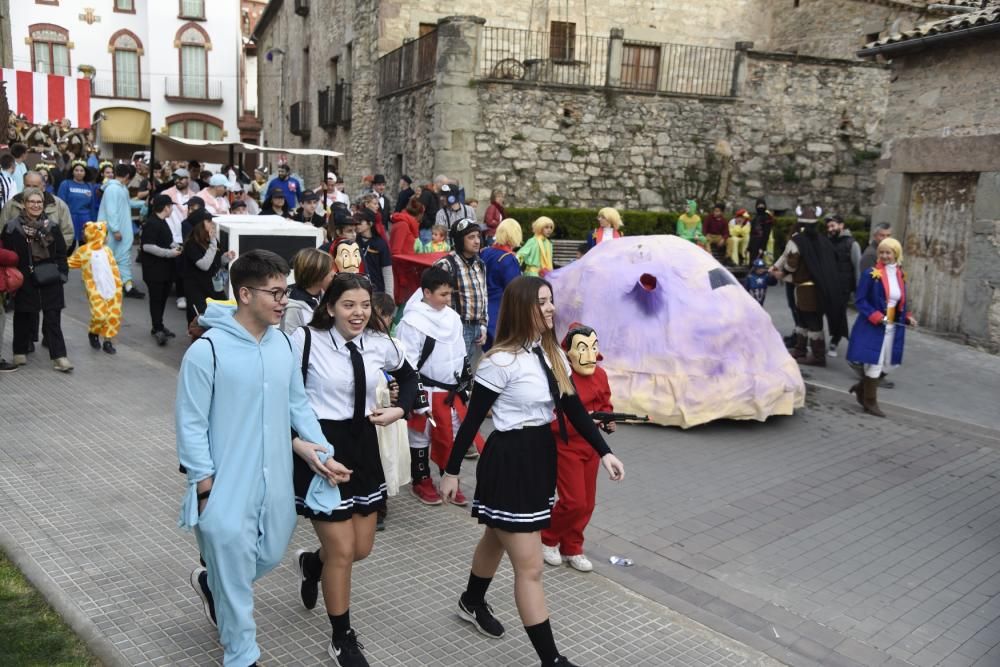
759,264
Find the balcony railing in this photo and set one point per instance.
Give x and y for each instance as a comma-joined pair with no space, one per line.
510,54
412,64
299,120
128,90
335,106
195,89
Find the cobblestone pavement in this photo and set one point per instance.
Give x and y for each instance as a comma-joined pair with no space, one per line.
827,538
89,492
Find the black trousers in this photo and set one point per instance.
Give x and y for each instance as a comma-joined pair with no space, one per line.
158,293
26,325
790,297
178,278
837,322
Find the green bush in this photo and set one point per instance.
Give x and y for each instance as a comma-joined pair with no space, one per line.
577,223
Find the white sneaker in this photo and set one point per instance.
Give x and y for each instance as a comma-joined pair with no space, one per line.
832,351
552,555
182,304
580,562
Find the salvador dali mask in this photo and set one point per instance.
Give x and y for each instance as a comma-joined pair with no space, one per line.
583,354
347,257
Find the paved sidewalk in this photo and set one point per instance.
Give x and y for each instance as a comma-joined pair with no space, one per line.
828,538
89,494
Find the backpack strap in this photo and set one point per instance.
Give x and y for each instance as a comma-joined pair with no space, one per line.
180,468
306,347
425,352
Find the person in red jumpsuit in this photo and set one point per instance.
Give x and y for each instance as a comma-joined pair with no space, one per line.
578,463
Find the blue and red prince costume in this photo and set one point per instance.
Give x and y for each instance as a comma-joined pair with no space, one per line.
878,335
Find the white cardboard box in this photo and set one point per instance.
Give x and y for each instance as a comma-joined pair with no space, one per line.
241,233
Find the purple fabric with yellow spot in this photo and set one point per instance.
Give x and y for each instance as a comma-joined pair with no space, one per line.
683,342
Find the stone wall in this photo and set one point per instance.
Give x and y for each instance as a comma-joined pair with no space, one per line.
347,32
946,91
404,141
705,22
943,123
837,28
800,131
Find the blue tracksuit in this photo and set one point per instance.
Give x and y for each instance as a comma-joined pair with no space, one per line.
81,199
235,408
117,212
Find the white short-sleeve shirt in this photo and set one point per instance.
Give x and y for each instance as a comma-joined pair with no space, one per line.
330,379
524,398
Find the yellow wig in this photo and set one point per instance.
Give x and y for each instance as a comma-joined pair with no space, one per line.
893,245
509,233
612,216
539,225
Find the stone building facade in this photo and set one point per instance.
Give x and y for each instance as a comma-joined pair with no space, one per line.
939,173
796,127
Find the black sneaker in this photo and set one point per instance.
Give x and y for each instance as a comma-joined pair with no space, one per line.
95,341
481,616
109,348
199,582
169,333
134,293
563,661
347,651
6,366
161,338
308,588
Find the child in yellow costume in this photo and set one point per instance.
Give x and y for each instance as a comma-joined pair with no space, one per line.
103,284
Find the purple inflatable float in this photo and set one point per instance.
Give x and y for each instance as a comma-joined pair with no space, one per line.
682,340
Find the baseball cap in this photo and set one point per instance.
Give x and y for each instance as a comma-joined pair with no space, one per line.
182,173
217,180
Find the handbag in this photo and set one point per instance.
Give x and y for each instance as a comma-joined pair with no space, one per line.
46,274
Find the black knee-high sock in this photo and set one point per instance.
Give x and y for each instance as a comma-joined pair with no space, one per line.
419,470
475,591
312,565
341,624
543,641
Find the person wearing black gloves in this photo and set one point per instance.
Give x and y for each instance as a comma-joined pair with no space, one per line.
525,380
343,352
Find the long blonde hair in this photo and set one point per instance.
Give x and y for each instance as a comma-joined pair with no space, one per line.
519,322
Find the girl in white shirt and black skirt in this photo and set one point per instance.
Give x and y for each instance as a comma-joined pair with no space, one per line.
525,379
344,351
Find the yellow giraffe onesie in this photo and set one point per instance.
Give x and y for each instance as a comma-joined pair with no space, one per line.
101,279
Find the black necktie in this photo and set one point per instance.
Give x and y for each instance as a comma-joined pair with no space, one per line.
360,386
554,390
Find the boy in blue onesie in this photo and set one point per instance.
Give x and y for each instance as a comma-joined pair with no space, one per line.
117,212
239,394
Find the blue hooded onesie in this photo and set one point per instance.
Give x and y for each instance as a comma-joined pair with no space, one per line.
117,212
237,401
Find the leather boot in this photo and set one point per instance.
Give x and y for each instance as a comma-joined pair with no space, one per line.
859,393
871,397
817,353
799,351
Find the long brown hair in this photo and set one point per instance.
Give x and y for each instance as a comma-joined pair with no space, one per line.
519,321
322,320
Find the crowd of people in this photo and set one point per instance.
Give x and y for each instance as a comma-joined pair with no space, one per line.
366,370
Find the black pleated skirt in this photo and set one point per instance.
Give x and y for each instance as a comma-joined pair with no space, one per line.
516,480
365,492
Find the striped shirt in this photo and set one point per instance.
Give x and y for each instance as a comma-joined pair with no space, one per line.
469,299
7,188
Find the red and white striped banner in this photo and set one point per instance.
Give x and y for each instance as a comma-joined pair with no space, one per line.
44,98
